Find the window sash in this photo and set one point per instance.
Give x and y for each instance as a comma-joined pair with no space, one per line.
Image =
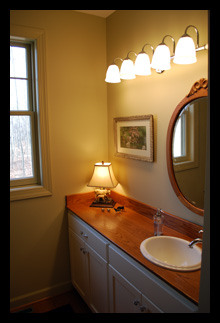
189,118
29,111
183,123
32,179
30,73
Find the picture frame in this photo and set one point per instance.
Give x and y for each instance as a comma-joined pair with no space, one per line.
134,137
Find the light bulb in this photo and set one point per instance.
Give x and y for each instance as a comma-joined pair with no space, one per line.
127,71
112,74
142,64
185,51
161,58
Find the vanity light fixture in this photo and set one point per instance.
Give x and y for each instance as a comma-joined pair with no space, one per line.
185,53
112,74
127,71
142,64
103,179
161,57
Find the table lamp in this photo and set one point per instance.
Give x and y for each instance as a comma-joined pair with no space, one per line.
103,179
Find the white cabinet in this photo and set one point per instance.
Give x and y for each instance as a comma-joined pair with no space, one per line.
79,275
126,298
89,270
156,295
110,280
98,282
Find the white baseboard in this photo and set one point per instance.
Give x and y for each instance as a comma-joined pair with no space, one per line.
39,294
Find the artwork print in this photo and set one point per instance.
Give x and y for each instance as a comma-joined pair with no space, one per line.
134,137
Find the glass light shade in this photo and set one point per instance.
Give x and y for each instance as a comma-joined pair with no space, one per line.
112,74
185,51
142,64
103,176
161,58
127,71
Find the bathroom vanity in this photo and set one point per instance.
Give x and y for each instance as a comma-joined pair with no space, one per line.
107,267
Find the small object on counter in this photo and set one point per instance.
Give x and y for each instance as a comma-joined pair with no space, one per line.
119,209
158,223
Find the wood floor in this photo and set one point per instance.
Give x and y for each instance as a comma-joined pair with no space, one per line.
72,297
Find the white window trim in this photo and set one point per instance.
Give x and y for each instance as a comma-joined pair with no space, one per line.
45,188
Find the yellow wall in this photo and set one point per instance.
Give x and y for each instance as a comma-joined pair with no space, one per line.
155,94
77,109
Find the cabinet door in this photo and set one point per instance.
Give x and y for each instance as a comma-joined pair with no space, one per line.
98,281
148,307
79,276
124,297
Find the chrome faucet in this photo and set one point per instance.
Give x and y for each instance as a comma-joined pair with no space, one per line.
197,240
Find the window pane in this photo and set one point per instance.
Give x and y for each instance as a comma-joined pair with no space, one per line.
18,66
18,94
177,140
21,165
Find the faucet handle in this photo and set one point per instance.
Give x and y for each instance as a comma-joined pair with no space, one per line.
200,231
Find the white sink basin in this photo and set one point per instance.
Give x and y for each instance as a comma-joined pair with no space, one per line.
172,253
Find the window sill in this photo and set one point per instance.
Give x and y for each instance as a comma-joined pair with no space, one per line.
28,192
185,165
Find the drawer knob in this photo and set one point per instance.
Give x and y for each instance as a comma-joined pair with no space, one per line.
83,234
84,251
136,302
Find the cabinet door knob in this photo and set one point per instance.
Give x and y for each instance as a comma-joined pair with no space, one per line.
142,308
85,252
136,302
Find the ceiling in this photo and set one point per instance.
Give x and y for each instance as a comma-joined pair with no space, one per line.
100,13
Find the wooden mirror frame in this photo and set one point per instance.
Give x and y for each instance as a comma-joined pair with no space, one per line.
198,90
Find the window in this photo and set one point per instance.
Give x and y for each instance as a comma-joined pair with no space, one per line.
29,150
23,149
185,139
180,140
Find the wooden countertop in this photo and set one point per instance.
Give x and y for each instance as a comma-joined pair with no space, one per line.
129,228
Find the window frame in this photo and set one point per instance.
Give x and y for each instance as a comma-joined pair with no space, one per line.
29,112
190,132
182,119
42,186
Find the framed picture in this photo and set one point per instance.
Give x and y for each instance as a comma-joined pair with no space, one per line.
134,137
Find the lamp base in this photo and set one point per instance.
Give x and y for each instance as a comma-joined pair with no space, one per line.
102,198
107,203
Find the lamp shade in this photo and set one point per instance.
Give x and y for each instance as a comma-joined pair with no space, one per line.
185,51
112,74
103,176
142,64
161,58
127,71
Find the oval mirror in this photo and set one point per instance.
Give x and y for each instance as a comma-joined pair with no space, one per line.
186,147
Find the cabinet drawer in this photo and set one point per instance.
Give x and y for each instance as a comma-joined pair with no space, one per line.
89,235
